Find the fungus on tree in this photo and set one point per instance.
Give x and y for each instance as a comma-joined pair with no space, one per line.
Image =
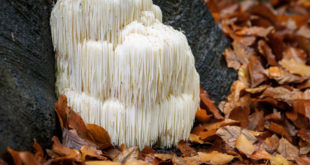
123,69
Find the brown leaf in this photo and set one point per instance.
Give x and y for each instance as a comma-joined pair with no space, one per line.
274,116
25,158
263,11
186,149
128,154
39,155
302,107
241,114
260,154
178,161
99,134
205,134
61,150
202,116
231,59
303,160
97,162
164,156
71,139
194,160
287,150
282,94
271,143
89,153
295,67
265,50
244,146
230,134
205,99
257,121
195,139
255,31
219,124
282,76
296,54
304,134
278,129
215,157
256,71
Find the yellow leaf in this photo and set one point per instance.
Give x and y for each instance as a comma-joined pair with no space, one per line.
215,157
195,138
278,160
244,145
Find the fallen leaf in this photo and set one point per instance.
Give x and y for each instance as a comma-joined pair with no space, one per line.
164,156
295,67
257,121
244,146
71,139
278,129
271,144
205,134
304,134
215,157
230,134
202,116
260,154
282,76
39,155
303,160
265,50
255,31
256,71
128,154
296,54
178,161
286,149
193,160
100,135
279,160
186,150
61,150
101,163
136,162
302,107
240,114
219,124
205,99
25,158
89,153
195,138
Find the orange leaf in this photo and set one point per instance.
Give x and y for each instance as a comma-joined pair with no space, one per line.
99,134
202,115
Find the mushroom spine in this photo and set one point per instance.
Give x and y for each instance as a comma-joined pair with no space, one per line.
123,69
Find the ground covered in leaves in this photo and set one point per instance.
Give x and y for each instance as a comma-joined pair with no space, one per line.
265,119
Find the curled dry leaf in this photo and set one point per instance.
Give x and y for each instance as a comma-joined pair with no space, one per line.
244,145
288,150
215,157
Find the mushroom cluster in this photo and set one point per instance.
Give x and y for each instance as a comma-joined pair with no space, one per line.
123,69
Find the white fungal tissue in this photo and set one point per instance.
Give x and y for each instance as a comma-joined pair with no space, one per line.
123,69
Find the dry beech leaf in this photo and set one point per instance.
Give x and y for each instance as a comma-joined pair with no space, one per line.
244,146
282,76
230,134
91,153
20,158
178,161
286,149
303,160
296,54
195,138
136,162
61,150
205,99
202,116
304,134
260,154
265,50
128,154
278,129
256,71
193,160
186,149
101,163
278,160
255,31
215,157
219,124
39,155
271,144
164,156
304,31
231,59
295,67
99,134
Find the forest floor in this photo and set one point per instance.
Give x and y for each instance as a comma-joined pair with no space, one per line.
264,120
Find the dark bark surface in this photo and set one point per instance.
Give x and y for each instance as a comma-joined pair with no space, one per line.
27,76
206,41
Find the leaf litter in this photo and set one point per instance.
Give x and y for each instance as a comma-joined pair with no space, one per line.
264,120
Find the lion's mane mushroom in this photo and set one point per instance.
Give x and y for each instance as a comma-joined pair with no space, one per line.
121,68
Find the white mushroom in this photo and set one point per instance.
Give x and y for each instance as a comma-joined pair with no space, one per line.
123,69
